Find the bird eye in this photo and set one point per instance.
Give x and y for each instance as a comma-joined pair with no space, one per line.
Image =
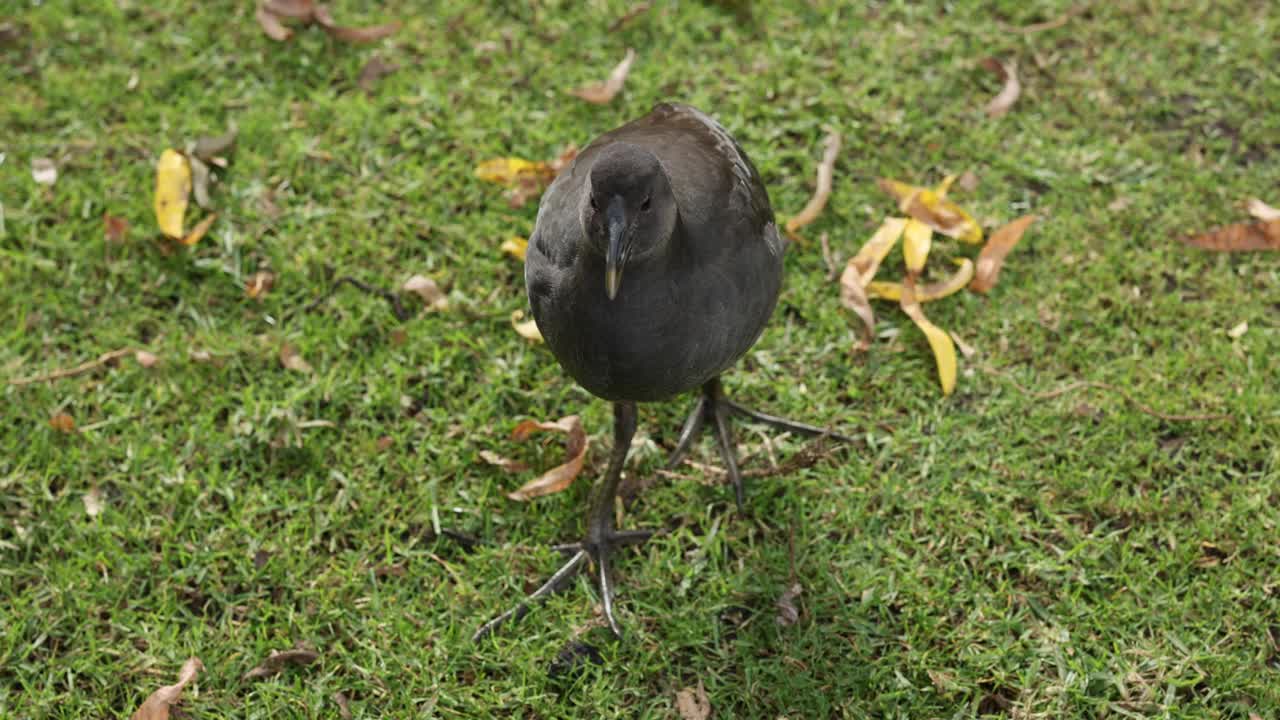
644,206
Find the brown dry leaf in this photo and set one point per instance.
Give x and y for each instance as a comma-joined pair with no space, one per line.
928,293
173,187
373,71
869,257
1261,211
528,329
271,25
1008,72
351,34
277,660
603,93
944,350
43,171
292,9
62,422
92,502
199,230
146,359
692,703
507,464
427,289
211,148
788,615
1240,237
344,705
156,707
934,210
991,259
826,170
854,297
200,181
560,477
257,285
291,360
114,228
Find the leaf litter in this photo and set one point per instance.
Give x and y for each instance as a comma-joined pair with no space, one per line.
562,476
1009,93
525,179
603,93
272,14
278,660
156,706
693,704
818,201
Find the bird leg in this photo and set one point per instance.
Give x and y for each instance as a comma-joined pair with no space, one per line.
715,409
602,534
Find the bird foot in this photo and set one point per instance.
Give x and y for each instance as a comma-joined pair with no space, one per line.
598,550
715,409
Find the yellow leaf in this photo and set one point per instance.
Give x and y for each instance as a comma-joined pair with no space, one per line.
515,246
916,241
933,291
933,209
944,350
528,329
509,170
868,259
173,185
944,186
199,230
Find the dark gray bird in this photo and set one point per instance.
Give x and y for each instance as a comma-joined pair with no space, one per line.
654,266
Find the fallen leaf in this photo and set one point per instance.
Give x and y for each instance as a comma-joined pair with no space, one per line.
945,186
373,71
934,210
352,34
528,329
1238,331
525,178
114,228
605,92
199,230
92,502
1240,237
560,477
146,359
873,252
509,170
291,360
344,705
212,147
928,293
293,9
173,186
1260,210
787,612
277,660
917,239
692,703
991,259
271,14
515,246
854,297
1008,72
826,171
944,350
200,176
271,25
156,707
966,349
201,356
62,422
43,171
507,464
257,285
427,289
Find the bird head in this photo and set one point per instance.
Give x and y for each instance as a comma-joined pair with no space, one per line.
629,211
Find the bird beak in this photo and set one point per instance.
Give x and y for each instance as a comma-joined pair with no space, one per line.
616,255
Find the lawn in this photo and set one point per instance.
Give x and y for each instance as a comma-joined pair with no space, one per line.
1007,550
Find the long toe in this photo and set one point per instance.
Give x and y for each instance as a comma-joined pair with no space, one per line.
782,423
553,584
689,433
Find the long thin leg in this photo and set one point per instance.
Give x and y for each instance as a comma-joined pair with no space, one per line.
724,437
689,433
601,532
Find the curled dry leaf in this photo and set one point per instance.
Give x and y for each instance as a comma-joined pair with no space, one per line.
1008,72
92,502
200,181
114,228
427,289
854,297
560,477
927,293
1240,237
63,423
528,329
277,660
212,148
351,34
291,360
173,187
515,246
944,351
257,285
692,703
966,349
934,210
788,614
271,24
344,705
604,93
146,359
292,9
873,252
199,230
156,707
917,239
43,171
272,13
826,170
507,464
991,259
373,71
1261,210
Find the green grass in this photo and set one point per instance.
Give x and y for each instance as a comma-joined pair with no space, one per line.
987,553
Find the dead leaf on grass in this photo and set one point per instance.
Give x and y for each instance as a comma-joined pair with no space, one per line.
257,285
114,228
344,705
1238,331
604,93
692,703
1240,237
1261,211
63,423
427,289
525,179
211,148
373,71
507,464
173,187
1008,72
826,171
291,360
272,13
353,34
199,230
917,239
854,297
991,259
92,502
944,350
788,614
156,707
934,209
515,246
43,171
271,24
927,293
146,359
560,477
873,252
278,659
528,329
